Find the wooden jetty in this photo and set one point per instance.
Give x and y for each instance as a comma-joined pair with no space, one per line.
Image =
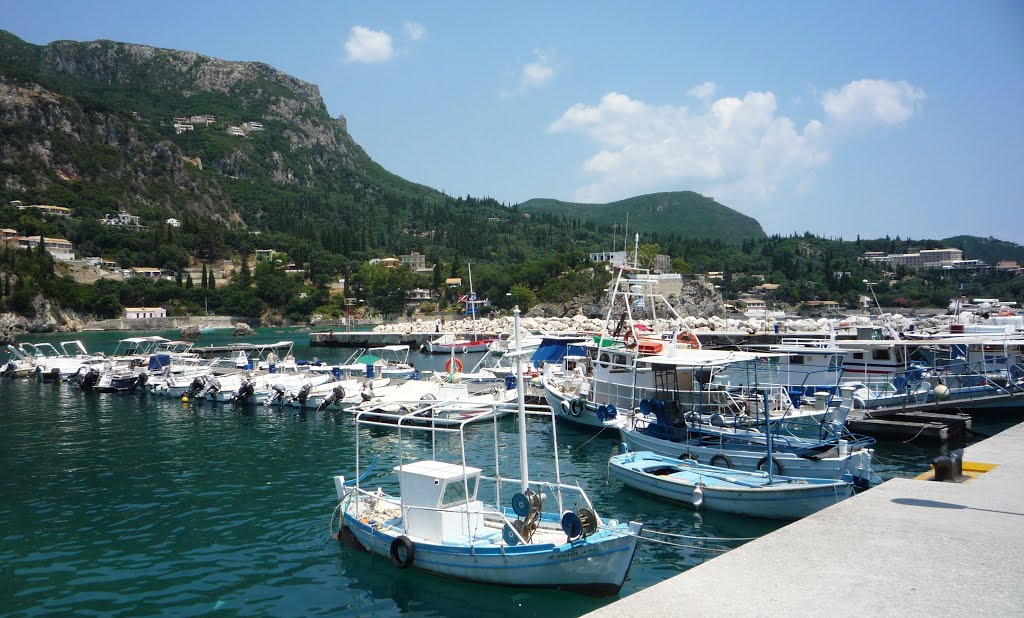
937,421
908,424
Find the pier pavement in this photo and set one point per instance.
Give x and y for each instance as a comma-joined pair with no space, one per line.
905,547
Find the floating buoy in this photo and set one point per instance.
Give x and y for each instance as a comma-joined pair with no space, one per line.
941,392
184,399
698,496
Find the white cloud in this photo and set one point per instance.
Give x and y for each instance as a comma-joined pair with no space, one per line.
414,30
533,74
368,46
872,102
702,91
730,148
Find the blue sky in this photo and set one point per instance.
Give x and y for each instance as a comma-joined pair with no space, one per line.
871,118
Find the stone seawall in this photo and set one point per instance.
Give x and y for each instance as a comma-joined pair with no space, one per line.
219,321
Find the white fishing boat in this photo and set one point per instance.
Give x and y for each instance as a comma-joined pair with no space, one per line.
16,362
438,524
450,343
389,361
755,494
837,456
440,403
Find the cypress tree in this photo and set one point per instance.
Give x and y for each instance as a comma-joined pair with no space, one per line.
188,282
205,281
212,282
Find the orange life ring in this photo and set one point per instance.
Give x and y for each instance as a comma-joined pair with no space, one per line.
689,339
629,339
453,361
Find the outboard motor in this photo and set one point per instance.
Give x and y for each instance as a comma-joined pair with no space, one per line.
212,388
245,392
143,380
303,394
198,384
89,380
53,375
9,369
337,394
276,396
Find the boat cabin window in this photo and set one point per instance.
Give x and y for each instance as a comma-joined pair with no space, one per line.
605,359
455,492
620,364
835,361
796,360
880,355
858,355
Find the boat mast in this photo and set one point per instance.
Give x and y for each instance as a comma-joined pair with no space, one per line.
524,468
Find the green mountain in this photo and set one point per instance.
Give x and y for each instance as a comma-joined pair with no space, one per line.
990,249
684,213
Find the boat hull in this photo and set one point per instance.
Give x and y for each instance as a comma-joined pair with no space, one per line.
789,499
857,464
595,566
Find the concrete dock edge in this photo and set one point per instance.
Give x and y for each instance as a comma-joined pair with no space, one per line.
905,547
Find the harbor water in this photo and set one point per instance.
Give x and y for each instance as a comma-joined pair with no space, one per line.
128,504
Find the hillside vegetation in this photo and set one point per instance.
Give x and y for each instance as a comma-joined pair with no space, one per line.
683,213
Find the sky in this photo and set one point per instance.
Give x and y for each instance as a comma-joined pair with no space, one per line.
843,119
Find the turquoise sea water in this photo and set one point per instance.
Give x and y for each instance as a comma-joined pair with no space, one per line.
133,505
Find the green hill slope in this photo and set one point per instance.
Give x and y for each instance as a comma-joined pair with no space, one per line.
688,214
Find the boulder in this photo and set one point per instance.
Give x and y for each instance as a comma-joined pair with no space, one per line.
190,332
242,330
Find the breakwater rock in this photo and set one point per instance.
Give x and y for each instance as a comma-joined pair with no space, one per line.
48,319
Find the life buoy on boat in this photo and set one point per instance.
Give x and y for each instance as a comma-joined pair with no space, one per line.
775,462
688,339
403,552
453,362
579,406
629,339
721,461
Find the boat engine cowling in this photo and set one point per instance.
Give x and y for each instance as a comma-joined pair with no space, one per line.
276,395
337,394
303,394
212,387
245,391
198,384
89,380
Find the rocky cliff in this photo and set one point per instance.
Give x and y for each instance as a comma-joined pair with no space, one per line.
103,114
49,319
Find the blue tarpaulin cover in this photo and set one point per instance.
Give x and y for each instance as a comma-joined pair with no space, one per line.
554,350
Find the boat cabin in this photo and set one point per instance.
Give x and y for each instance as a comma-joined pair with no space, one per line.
440,501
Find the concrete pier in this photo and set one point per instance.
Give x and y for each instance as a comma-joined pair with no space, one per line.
905,547
368,339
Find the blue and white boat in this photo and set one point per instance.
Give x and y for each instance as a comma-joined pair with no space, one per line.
755,494
438,524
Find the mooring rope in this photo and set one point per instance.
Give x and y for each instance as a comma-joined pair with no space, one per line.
702,538
592,438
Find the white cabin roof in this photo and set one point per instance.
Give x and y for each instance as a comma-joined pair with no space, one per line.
437,469
689,357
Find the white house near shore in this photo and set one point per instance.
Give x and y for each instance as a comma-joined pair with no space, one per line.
142,313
